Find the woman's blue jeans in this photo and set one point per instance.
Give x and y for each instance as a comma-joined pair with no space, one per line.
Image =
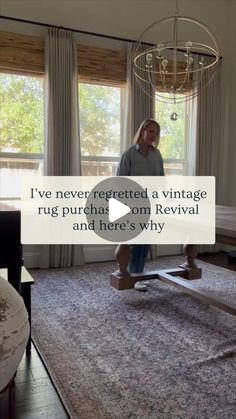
139,254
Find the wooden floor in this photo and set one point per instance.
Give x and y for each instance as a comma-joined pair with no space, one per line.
33,395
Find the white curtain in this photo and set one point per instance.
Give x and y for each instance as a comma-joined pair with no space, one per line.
62,127
209,135
138,106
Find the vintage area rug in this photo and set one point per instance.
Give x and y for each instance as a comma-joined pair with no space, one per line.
127,354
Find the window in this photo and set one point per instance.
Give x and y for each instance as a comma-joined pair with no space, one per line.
100,128
173,144
21,131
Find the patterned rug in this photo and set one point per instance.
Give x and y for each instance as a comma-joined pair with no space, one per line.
127,354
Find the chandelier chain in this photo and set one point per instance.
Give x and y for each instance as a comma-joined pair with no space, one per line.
176,8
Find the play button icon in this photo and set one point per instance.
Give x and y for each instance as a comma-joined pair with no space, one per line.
118,208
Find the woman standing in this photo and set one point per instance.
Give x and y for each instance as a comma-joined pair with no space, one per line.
143,158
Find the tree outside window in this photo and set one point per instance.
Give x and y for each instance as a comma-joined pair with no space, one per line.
21,114
173,143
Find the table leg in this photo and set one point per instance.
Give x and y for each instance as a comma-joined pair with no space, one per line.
121,279
26,295
190,253
14,277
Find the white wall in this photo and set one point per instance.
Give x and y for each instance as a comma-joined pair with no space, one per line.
127,19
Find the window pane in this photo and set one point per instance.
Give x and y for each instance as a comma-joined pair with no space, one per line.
21,130
175,168
99,108
21,114
99,168
10,171
172,144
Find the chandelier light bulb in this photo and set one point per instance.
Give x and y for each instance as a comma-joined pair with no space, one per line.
164,63
188,44
201,62
149,58
160,47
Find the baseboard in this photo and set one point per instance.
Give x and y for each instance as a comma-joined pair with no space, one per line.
169,249
99,253
31,259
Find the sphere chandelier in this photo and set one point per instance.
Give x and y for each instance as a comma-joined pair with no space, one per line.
175,70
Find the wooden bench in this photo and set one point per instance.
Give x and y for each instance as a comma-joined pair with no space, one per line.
26,282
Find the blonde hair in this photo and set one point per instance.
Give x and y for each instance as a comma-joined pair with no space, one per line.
143,126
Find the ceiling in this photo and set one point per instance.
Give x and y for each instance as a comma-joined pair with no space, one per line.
120,18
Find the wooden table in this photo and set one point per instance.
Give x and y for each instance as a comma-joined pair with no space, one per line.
225,233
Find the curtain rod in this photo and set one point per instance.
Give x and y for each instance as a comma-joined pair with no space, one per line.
47,25
14,19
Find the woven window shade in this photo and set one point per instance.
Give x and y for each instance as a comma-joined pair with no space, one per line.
24,54
98,65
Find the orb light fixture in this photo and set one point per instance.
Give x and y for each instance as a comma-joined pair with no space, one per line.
178,65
